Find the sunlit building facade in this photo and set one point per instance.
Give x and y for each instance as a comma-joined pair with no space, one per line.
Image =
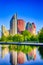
4,31
13,25
20,25
31,27
17,26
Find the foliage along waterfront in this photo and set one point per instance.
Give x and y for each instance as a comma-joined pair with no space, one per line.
24,36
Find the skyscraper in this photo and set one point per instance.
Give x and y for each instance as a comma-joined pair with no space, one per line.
4,31
13,25
31,27
20,25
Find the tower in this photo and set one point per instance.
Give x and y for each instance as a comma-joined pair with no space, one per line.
13,25
20,25
31,27
4,31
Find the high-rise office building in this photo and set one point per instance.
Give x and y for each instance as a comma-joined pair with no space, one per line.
20,25
4,31
13,25
31,27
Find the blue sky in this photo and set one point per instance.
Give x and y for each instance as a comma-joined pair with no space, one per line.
29,10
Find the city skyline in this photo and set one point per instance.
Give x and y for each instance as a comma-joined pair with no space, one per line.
28,10
17,26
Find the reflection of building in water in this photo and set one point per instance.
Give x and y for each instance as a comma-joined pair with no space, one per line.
34,53
5,32
21,57
13,57
4,50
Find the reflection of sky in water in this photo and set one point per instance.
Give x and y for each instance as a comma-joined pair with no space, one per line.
5,60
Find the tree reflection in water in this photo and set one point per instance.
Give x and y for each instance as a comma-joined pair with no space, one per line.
41,51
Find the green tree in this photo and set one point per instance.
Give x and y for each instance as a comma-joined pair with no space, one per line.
34,38
18,38
3,38
40,35
26,35
9,38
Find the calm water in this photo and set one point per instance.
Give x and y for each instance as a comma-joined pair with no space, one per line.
6,60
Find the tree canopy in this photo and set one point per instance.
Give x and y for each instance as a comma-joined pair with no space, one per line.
40,35
25,36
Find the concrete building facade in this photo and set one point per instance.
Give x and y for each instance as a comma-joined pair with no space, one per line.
13,25
4,31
